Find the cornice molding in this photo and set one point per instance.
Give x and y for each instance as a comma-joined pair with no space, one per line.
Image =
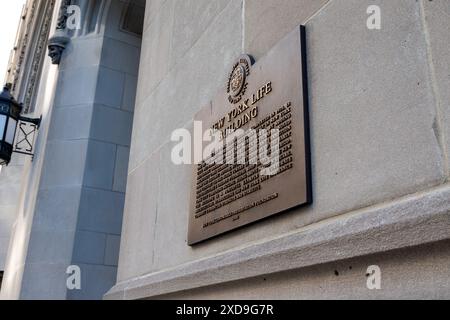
411,221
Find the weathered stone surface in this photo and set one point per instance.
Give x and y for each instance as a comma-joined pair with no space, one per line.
185,31
81,52
267,21
110,85
64,165
172,104
101,211
35,288
140,218
372,107
172,221
111,125
156,46
120,56
50,246
63,200
152,9
411,221
99,169
437,26
423,275
76,86
71,123
371,126
96,242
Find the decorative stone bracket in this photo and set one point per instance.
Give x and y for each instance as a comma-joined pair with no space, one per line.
57,45
58,42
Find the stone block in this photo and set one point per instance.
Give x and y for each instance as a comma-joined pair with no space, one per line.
156,48
372,107
81,52
152,9
89,247
76,86
49,246
57,208
173,216
140,219
64,164
192,18
120,56
71,123
100,161
101,211
173,101
50,284
111,125
110,87
267,21
372,114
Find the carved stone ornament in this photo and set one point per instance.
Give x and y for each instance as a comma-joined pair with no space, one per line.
56,46
63,15
58,42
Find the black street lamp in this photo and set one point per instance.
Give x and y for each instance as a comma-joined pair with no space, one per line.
10,116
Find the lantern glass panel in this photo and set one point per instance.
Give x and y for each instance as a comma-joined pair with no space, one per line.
11,131
2,125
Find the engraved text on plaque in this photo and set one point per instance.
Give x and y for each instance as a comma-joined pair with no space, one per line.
268,96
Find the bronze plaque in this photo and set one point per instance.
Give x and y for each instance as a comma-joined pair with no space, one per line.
269,96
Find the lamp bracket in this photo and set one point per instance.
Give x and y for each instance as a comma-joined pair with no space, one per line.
26,134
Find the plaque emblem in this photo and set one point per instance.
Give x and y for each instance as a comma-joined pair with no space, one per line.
237,81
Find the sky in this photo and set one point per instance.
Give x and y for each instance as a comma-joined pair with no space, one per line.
10,11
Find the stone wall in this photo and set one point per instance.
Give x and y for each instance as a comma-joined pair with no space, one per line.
23,73
10,180
380,125
71,205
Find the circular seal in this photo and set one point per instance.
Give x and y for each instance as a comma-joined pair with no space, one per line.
237,81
